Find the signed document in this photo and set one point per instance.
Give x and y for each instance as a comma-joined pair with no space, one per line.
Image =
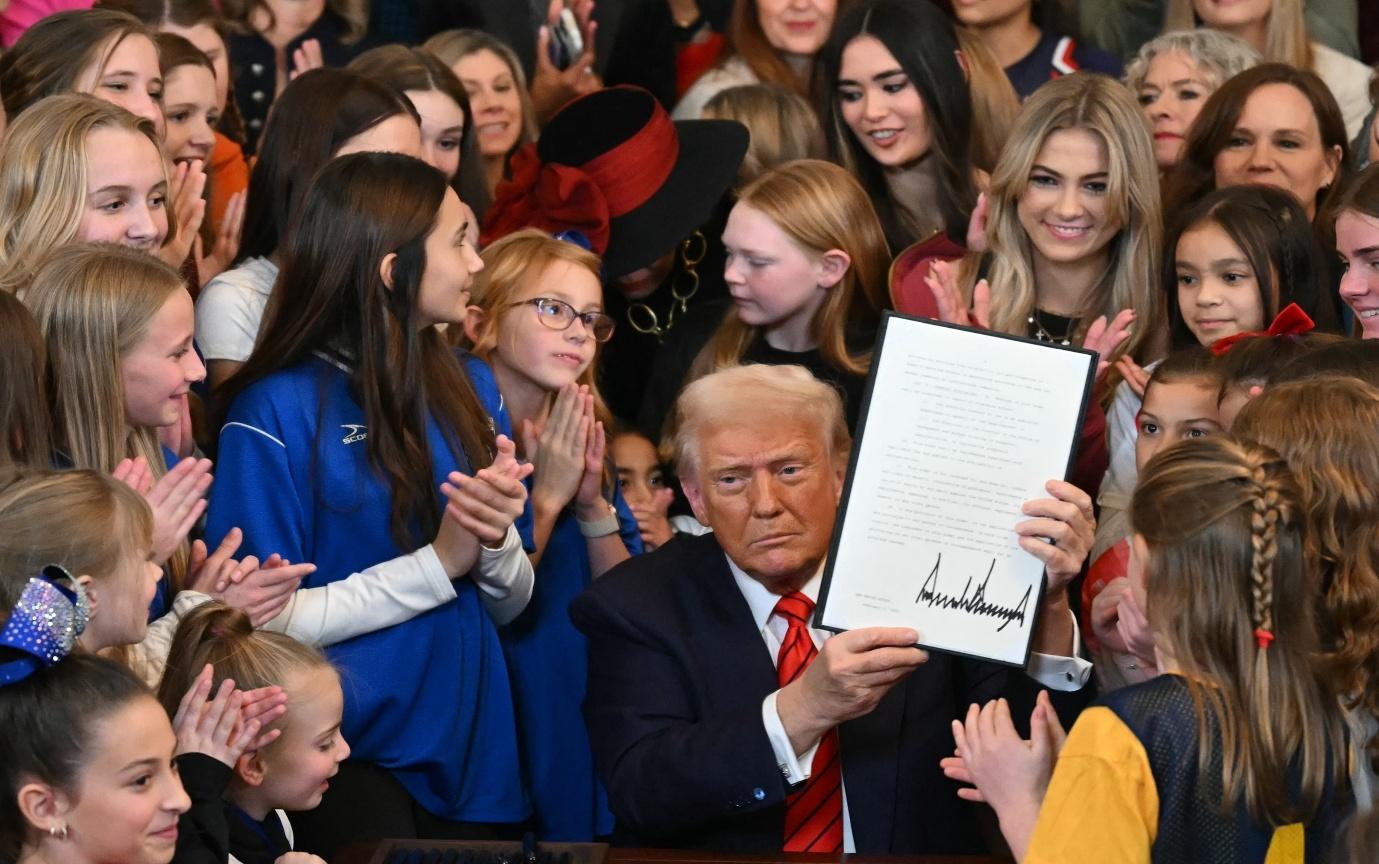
960,427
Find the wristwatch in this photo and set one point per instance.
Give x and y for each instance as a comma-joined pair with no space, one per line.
601,527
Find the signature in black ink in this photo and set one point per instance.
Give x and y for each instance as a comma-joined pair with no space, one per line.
975,604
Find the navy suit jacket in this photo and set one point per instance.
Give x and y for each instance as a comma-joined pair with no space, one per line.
677,674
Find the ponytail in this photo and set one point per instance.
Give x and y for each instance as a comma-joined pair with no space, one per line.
224,637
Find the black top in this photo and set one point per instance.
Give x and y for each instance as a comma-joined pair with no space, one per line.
683,345
202,836
254,71
253,841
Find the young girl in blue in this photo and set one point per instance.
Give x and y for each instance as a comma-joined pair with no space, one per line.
538,319
340,427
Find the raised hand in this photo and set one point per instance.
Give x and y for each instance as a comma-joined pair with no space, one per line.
1135,377
1066,519
134,473
306,58
652,523
942,280
976,225
1104,338
188,182
1008,772
178,499
551,88
589,495
1106,613
488,503
263,590
1132,627
227,235
559,452
216,728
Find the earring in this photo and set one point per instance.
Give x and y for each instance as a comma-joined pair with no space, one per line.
58,832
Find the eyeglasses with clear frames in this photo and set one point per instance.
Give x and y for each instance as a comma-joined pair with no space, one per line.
559,315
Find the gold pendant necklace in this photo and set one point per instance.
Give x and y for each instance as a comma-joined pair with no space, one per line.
683,286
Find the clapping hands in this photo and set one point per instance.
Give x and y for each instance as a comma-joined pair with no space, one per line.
227,726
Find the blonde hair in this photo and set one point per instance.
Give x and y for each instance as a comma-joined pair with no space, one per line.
85,521
995,104
452,46
43,178
820,206
1285,39
760,396
1221,519
1218,56
513,266
224,637
94,303
1104,108
781,122
1328,430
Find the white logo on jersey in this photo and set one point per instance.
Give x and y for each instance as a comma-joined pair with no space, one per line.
354,432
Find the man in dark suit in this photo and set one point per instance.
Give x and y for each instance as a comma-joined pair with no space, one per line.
702,735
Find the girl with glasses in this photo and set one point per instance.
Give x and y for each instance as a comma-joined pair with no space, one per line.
538,320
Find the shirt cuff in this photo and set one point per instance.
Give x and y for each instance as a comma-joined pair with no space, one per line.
1061,673
493,575
795,769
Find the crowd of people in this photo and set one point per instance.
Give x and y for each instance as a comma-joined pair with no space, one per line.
428,420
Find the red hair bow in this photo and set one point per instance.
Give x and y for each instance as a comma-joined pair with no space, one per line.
1292,321
549,196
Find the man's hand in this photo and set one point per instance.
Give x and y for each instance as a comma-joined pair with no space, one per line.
1067,520
851,673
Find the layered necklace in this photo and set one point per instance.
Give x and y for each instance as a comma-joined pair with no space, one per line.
1048,327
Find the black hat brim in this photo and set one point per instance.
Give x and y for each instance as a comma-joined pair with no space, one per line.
710,153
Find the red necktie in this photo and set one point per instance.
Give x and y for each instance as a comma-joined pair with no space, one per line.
814,814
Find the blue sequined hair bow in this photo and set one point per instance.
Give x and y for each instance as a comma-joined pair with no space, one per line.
44,625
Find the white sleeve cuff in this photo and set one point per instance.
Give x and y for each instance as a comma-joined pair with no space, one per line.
505,578
795,769
1061,673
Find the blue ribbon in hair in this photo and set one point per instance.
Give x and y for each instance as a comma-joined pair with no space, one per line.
44,625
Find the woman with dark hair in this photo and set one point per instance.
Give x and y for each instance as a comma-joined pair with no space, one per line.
355,411
769,42
447,123
1272,125
326,113
898,114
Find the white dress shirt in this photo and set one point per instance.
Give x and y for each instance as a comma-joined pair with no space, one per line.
1054,672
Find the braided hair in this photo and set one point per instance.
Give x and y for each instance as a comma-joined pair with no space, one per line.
1231,605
